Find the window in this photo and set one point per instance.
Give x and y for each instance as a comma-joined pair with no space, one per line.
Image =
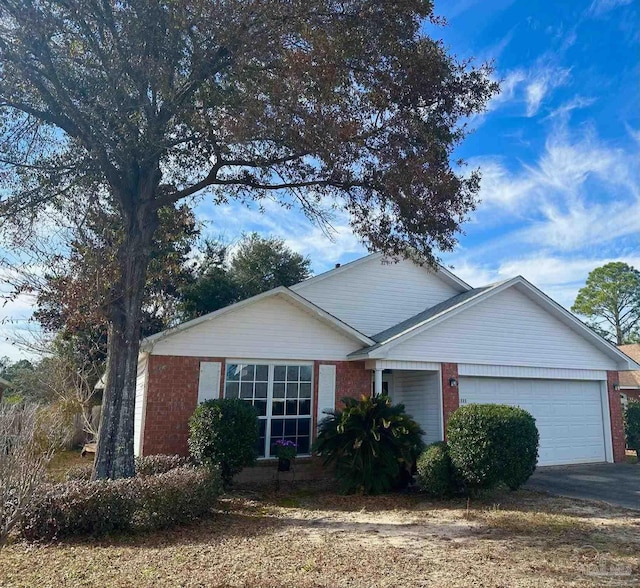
281,393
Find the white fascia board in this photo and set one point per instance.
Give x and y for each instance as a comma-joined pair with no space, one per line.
147,344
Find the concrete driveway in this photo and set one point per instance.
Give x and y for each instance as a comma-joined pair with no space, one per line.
617,484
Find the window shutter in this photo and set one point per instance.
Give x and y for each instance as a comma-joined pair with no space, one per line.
326,390
209,382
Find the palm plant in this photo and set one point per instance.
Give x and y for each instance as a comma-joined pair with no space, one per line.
371,442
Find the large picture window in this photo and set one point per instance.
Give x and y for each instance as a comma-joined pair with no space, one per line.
281,393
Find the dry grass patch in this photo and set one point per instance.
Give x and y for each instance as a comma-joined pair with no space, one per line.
308,539
63,461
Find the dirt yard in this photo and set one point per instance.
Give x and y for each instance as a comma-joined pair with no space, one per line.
313,538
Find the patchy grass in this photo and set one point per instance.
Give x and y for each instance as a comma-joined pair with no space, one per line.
631,456
313,538
63,461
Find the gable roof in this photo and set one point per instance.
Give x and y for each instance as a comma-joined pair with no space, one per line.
147,344
630,379
442,272
449,308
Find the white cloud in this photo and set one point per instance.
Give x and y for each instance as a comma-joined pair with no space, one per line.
568,186
599,7
557,276
540,84
575,103
530,86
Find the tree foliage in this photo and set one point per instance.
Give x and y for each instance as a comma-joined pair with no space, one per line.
75,295
226,275
309,103
611,301
632,426
372,443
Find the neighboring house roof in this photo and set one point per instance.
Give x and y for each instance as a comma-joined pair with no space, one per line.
445,310
630,380
322,315
440,270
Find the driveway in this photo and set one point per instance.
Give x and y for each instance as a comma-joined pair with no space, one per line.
617,484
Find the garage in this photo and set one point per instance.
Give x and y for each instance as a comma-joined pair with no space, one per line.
568,413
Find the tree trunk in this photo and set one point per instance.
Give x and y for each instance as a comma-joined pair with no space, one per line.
114,458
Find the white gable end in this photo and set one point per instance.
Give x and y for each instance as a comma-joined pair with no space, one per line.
507,329
271,328
372,295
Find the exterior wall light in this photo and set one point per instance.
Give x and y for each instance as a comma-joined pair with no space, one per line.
616,386
453,382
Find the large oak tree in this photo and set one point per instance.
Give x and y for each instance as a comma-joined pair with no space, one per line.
308,102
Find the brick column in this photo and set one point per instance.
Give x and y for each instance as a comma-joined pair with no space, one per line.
615,413
450,395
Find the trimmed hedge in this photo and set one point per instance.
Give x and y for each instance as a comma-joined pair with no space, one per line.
435,473
491,444
224,433
148,465
132,504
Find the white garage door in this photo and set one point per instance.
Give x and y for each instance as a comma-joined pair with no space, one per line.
568,413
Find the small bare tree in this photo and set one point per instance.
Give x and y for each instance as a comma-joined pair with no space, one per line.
29,436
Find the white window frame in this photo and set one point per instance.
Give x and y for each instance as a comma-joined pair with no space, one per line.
271,363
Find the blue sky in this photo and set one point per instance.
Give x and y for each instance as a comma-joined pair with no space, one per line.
559,150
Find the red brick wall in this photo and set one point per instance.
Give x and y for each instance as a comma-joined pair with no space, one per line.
450,395
352,379
615,411
172,396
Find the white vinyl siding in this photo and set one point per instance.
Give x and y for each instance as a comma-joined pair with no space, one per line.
273,327
326,390
420,394
141,391
507,329
569,414
373,296
209,381
508,371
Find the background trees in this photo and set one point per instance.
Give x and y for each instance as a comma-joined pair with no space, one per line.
139,104
611,301
226,274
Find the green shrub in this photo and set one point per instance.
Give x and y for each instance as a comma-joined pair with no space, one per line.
632,426
224,433
150,465
371,442
435,473
109,506
490,444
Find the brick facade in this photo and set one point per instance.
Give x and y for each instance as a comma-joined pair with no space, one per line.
450,394
615,411
172,396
